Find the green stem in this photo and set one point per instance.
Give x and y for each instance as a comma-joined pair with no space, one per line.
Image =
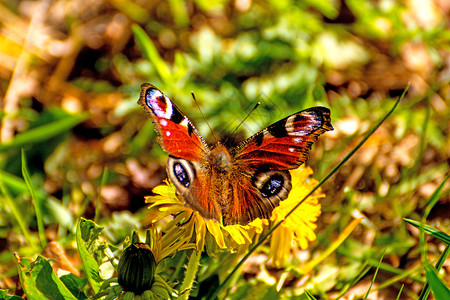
191,272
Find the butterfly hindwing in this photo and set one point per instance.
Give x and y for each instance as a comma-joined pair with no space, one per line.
197,187
247,202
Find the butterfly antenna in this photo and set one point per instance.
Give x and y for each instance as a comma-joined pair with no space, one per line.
200,110
248,115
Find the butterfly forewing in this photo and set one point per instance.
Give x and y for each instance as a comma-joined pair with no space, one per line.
176,134
285,144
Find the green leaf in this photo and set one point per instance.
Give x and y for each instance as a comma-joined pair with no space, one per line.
87,234
430,230
28,285
40,282
75,285
440,291
5,296
44,132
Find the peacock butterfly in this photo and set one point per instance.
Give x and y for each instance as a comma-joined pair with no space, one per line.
235,185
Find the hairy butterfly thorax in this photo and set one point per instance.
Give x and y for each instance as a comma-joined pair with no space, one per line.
239,185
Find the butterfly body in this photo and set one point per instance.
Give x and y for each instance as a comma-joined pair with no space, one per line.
235,185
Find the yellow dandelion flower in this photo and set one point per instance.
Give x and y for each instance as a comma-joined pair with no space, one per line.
213,237
192,224
299,227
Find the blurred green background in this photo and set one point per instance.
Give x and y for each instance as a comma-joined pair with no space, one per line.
70,73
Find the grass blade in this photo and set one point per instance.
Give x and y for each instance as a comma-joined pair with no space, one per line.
433,282
38,203
151,54
19,219
400,292
435,197
102,184
375,275
443,237
309,296
44,132
440,291
426,289
15,184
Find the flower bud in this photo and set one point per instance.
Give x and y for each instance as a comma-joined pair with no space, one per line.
136,270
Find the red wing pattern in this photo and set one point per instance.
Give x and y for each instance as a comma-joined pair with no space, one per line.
240,186
285,144
176,134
